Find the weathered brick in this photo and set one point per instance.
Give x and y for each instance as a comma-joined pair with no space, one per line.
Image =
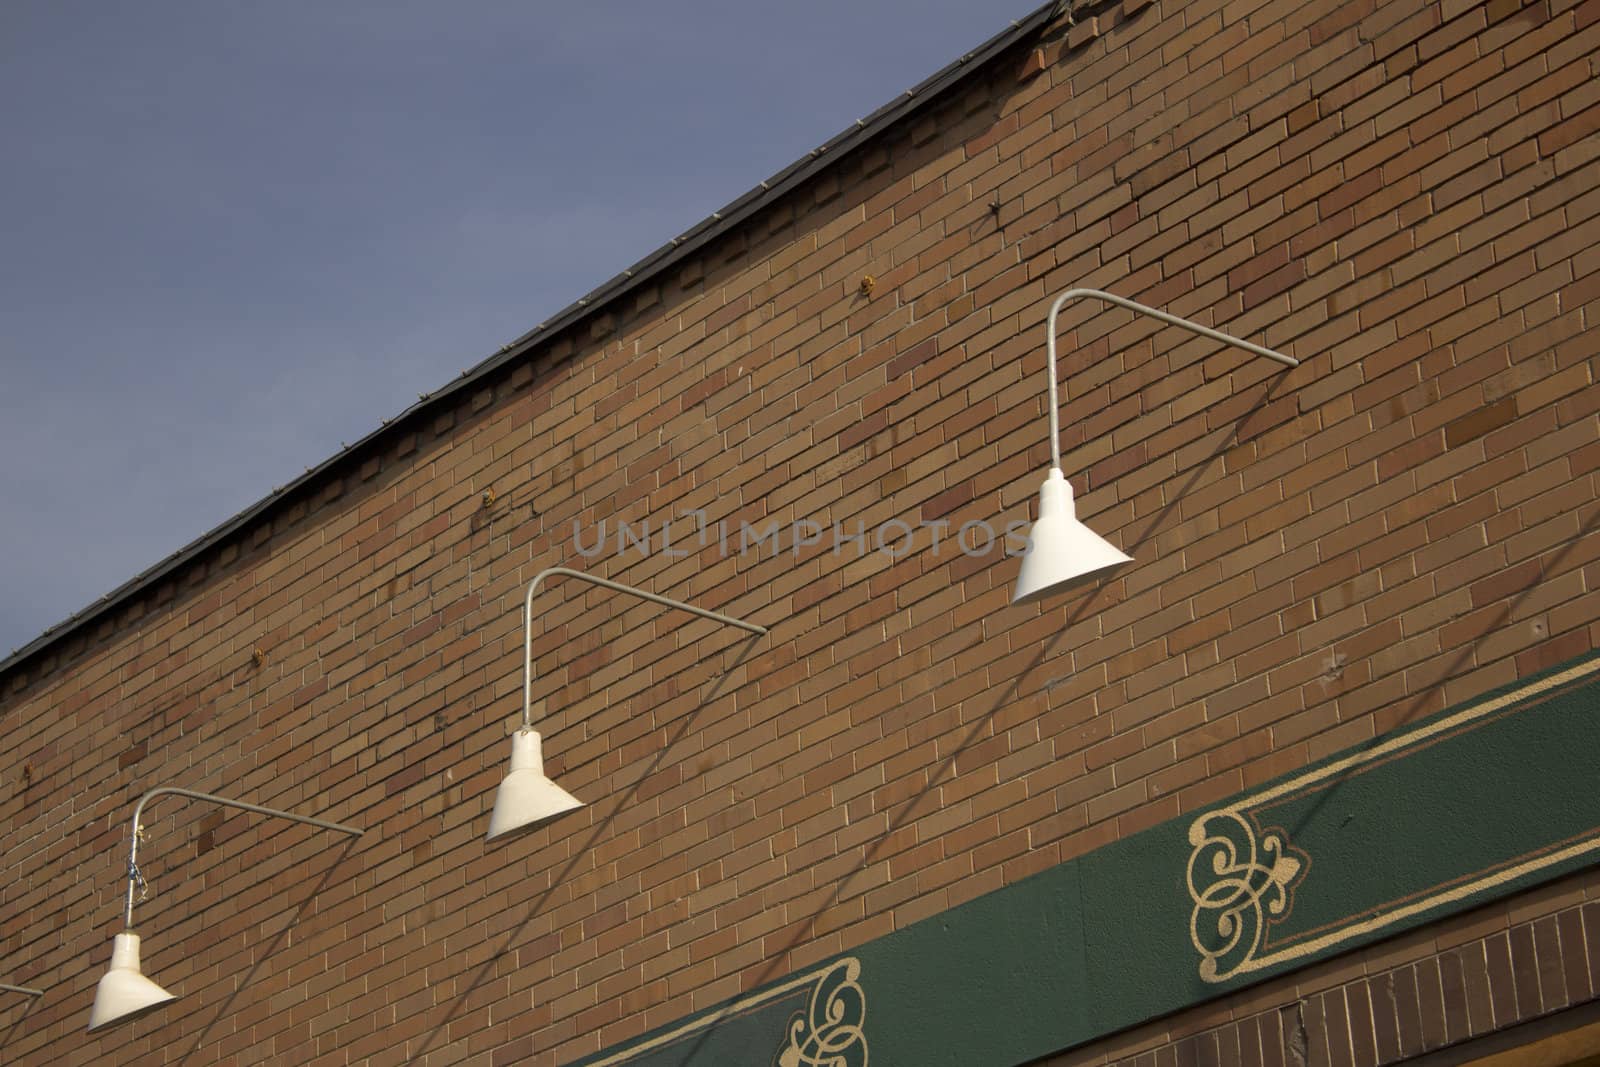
1400,194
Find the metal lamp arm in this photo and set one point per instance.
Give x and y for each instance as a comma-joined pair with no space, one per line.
1170,320
24,990
138,810
604,583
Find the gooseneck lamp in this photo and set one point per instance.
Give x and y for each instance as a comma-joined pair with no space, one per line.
124,992
1062,553
526,798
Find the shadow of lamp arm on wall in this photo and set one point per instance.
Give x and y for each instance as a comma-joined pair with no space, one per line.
124,992
1062,553
526,798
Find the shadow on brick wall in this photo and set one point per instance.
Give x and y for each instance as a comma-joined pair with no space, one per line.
225,1010
441,1024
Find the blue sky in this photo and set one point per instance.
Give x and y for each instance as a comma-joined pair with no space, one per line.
238,234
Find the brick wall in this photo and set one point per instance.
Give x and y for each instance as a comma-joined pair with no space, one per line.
1402,194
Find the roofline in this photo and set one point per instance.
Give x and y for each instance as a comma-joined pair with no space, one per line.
652,266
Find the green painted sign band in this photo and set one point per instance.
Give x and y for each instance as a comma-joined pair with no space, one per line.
815,1019
1469,805
1438,792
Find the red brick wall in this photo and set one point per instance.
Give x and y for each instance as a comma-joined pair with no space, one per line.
1402,194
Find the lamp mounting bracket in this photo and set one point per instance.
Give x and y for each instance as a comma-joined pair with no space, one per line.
136,879
1134,306
616,587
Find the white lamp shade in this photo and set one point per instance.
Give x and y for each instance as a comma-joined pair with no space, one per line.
123,991
1062,552
526,798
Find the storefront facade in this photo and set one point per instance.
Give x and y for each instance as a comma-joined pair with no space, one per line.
1306,782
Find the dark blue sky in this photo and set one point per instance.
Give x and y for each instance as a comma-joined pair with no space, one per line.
238,234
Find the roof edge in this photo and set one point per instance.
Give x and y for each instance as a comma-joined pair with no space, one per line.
647,269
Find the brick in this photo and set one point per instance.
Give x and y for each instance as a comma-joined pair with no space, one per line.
1574,956
1386,1032
1408,1012
1552,979
1571,130
1525,972
1363,1038
1489,417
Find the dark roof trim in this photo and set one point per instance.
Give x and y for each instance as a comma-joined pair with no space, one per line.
818,160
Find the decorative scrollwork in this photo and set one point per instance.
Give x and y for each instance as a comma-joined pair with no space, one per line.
829,1032
1238,888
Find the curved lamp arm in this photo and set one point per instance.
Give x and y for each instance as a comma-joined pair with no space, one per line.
1170,320
1063,553
24,990
605,583
134,877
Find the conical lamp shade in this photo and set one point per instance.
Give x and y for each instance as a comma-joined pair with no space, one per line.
526,797
1062,552
123,991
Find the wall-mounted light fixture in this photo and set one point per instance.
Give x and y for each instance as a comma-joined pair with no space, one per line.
526,798
1063,553
124,992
